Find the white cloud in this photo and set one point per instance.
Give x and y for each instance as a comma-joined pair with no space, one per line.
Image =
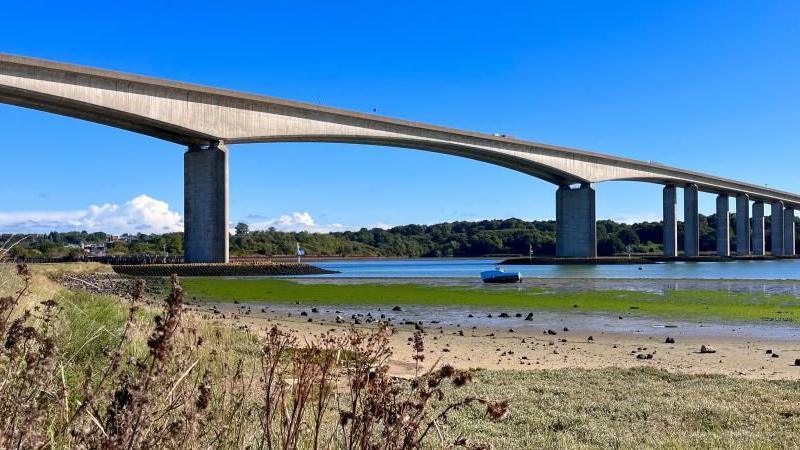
301,221
296,221
142,214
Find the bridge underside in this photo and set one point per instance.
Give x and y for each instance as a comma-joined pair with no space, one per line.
205,119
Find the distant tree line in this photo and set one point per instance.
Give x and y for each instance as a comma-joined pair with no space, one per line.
464,239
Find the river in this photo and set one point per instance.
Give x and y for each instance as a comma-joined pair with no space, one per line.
787,269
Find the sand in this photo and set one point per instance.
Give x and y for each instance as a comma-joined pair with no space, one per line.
741,349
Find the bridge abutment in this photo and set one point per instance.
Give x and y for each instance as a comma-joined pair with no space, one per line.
576,228
758,228
723,226
205,200
670,223
691,217
776,228
742,225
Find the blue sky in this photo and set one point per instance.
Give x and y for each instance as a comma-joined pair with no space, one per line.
710,86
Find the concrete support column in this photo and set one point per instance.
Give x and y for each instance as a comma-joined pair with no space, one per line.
205,204
742,225
776,228
670,221
758,228
723,226
576,228
691,228
788,231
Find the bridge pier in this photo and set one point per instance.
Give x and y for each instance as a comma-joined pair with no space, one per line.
742,225
723,226
670,224
758,228
691,217
788,231
205,204
776,228
576,227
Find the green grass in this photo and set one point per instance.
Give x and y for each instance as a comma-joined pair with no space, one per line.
673,303
631,408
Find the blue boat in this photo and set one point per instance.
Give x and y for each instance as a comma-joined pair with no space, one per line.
498,275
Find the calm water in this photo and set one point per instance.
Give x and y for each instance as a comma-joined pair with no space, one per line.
470,268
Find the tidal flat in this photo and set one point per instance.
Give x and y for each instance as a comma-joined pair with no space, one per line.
679,304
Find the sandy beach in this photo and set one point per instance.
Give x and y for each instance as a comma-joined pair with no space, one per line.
549,340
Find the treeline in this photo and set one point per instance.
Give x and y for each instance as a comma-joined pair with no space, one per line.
71,244
464,239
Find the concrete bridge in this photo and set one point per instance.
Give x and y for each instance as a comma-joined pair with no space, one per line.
205,120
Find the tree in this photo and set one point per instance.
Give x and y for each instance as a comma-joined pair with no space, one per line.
242,229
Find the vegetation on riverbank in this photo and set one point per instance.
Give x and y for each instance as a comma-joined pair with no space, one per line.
82,371
202,395
689,304
462,239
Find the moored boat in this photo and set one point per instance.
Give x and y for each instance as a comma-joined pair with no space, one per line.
499,275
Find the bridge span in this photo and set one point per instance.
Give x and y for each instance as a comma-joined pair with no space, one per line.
206,120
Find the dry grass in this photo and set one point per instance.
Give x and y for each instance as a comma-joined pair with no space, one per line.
634,408
77,375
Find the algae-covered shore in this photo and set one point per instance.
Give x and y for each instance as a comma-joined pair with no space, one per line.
669,303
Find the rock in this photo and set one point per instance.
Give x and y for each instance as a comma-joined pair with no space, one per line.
669,340
551,332
707,349
590,338
797,362
775,355
769,352
397,308
510,330
529,316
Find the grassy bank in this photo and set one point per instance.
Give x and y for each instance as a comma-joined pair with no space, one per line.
609,408
636,408
675,304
